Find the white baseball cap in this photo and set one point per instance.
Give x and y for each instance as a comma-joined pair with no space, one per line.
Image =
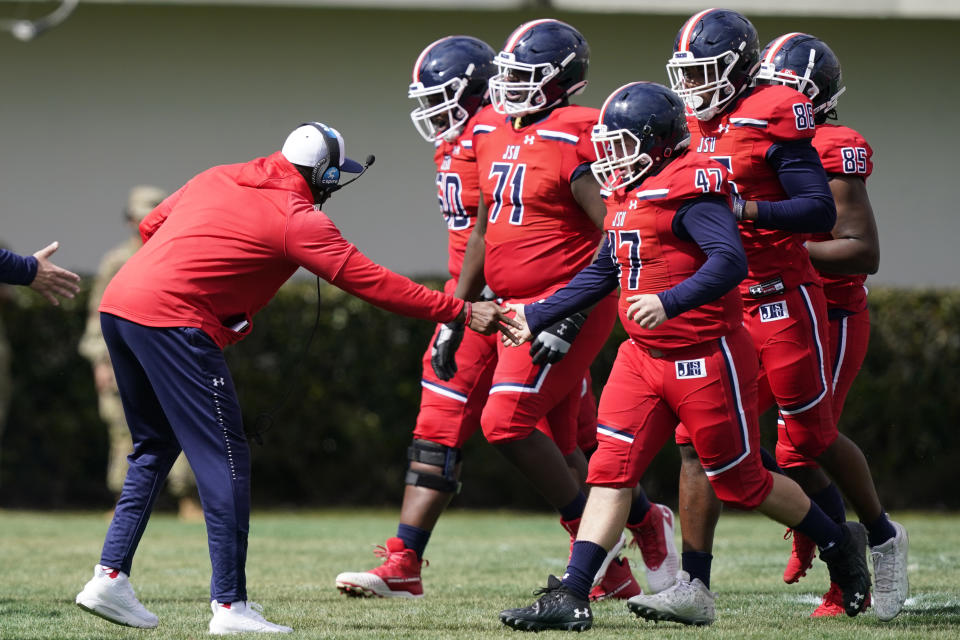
307,146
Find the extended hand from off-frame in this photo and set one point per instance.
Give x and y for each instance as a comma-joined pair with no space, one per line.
52,281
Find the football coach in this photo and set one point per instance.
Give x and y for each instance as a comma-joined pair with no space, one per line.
215,252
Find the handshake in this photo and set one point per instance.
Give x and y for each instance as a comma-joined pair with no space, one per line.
548,346
551,344
483,317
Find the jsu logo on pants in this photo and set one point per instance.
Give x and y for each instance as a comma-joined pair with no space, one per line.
691,368
774,311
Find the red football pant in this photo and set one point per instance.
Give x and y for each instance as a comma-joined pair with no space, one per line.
523,393
587,417
790,333
450,409
711,388
849,337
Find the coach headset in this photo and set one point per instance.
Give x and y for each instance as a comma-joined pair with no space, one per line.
325,177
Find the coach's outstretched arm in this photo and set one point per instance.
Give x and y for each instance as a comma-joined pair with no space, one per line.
318,245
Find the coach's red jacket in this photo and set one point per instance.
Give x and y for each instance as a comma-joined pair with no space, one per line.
217,250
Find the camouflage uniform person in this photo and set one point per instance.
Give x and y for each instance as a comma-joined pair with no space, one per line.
180,482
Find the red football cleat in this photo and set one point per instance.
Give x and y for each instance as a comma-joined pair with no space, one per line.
618,582
832,604
801,557
397,577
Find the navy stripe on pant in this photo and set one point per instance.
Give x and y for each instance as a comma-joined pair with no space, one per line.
177,393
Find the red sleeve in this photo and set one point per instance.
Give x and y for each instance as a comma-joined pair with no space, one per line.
582,152
314,242
150,224
790,116
369,281
843,151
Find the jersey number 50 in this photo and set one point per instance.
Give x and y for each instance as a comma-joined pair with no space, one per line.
450,195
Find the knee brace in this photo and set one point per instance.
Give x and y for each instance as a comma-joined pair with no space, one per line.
436,455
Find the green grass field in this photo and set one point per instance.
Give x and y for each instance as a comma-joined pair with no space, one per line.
480,563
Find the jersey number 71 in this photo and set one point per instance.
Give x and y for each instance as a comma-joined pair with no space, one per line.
509,179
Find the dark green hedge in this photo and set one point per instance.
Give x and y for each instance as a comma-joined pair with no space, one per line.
347,406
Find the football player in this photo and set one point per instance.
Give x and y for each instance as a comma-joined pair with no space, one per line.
763,136
843,259
450,85
543,223
673,248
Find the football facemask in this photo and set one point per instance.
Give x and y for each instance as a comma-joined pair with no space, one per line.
439,114
619,161
518,88
703,83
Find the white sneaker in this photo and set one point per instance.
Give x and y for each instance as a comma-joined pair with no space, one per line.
109,595
241,617
687,602
890,574
613,553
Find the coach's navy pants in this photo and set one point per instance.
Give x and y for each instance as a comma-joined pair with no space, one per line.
177,394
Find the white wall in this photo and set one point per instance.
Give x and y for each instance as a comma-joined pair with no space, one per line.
124,94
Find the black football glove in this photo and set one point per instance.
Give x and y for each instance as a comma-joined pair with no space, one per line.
444,351
553,342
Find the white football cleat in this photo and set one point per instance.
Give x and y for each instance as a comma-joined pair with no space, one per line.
687,602
655,538
109,595
241,617
890,574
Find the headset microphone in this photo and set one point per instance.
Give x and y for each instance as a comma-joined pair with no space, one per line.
366,165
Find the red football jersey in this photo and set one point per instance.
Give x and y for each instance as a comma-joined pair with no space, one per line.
740,139
843,152
639,226
537,236
458,192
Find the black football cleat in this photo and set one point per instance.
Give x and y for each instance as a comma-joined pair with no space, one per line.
557,608
847,562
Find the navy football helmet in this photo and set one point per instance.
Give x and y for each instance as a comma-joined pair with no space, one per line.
643,126
450,84
715,56
542,63
808,65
